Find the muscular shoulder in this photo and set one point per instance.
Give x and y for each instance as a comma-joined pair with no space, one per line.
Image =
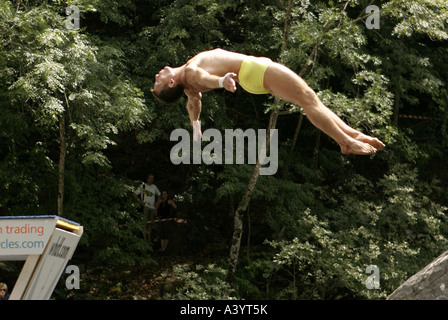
191,75
191,71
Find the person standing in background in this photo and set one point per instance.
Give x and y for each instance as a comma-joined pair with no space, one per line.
146,194
164,206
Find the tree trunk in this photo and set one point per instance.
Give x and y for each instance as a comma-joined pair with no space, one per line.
61,167
238,224
242,207
296,133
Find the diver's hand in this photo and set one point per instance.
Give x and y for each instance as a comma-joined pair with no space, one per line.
228,82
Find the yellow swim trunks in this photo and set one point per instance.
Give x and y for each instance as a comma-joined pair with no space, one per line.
251,74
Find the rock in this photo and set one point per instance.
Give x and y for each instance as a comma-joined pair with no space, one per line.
430,283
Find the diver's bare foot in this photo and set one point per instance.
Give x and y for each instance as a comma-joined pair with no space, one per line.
374,142
357,147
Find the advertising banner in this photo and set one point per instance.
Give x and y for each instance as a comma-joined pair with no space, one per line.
20,237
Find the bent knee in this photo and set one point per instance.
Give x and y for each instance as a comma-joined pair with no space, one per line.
307,98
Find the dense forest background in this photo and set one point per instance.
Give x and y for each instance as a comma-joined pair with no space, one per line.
79,131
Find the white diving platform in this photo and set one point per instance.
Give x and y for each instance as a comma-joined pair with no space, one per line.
46,243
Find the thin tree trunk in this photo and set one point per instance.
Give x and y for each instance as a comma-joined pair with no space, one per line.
61,167
286,27
238,224
296,133
242,207
62,156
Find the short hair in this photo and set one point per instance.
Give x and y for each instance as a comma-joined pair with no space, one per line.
168,95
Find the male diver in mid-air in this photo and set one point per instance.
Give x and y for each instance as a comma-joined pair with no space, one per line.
219,68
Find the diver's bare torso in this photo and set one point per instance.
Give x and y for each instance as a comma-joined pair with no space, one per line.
216,62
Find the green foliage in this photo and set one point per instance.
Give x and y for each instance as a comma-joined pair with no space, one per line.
334,243
201,283
63,73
